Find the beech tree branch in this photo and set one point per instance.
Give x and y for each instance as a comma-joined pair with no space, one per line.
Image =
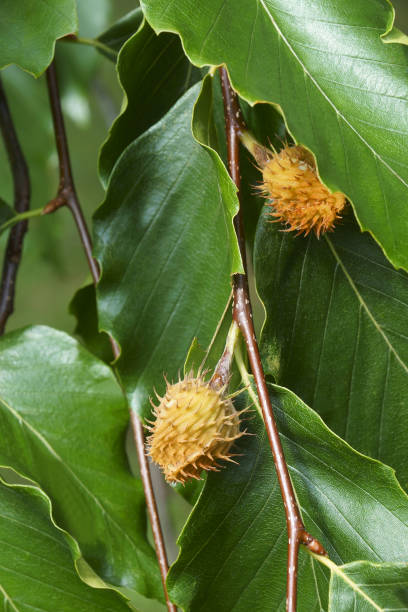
138,435
21,185
67,196
242,314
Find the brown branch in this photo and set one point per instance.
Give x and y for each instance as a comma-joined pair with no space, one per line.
242,314
138,436
66,196
21,185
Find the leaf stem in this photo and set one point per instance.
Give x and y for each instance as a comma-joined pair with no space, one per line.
90,42
22,192
242,314
138,435
36,212
66,196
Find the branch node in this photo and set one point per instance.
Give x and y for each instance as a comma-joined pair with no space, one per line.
66,194
54,205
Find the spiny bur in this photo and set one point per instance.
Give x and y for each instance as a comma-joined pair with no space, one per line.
195,427
296,196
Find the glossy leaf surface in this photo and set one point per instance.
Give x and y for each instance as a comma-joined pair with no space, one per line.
369,587
36,566
165,242
118,33
344,92
335,333
83,307
29,29
63,422
233,548
154,72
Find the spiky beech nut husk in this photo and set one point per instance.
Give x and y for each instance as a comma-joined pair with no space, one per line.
195,427
296,195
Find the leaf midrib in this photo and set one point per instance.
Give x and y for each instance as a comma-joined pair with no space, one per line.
364,305
327,98
355,587
54,453
318,459
338,570
8,598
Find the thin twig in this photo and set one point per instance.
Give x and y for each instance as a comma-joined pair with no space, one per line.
21,185
242,314
138,436
66,196
91,42
28,214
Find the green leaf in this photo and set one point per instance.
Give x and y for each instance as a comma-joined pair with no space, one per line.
29,29
343,91
83,307
9,218
233,547
164,240
36,566
156,66
62,424
335,333
395,36
369,587
118,33
204,133
194,358
267,125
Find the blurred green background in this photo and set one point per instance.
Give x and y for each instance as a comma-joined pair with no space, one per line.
54,266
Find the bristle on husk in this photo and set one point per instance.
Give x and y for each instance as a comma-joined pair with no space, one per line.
195,428
296,196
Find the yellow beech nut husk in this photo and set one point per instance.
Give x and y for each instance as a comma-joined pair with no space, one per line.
195,427
296,195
